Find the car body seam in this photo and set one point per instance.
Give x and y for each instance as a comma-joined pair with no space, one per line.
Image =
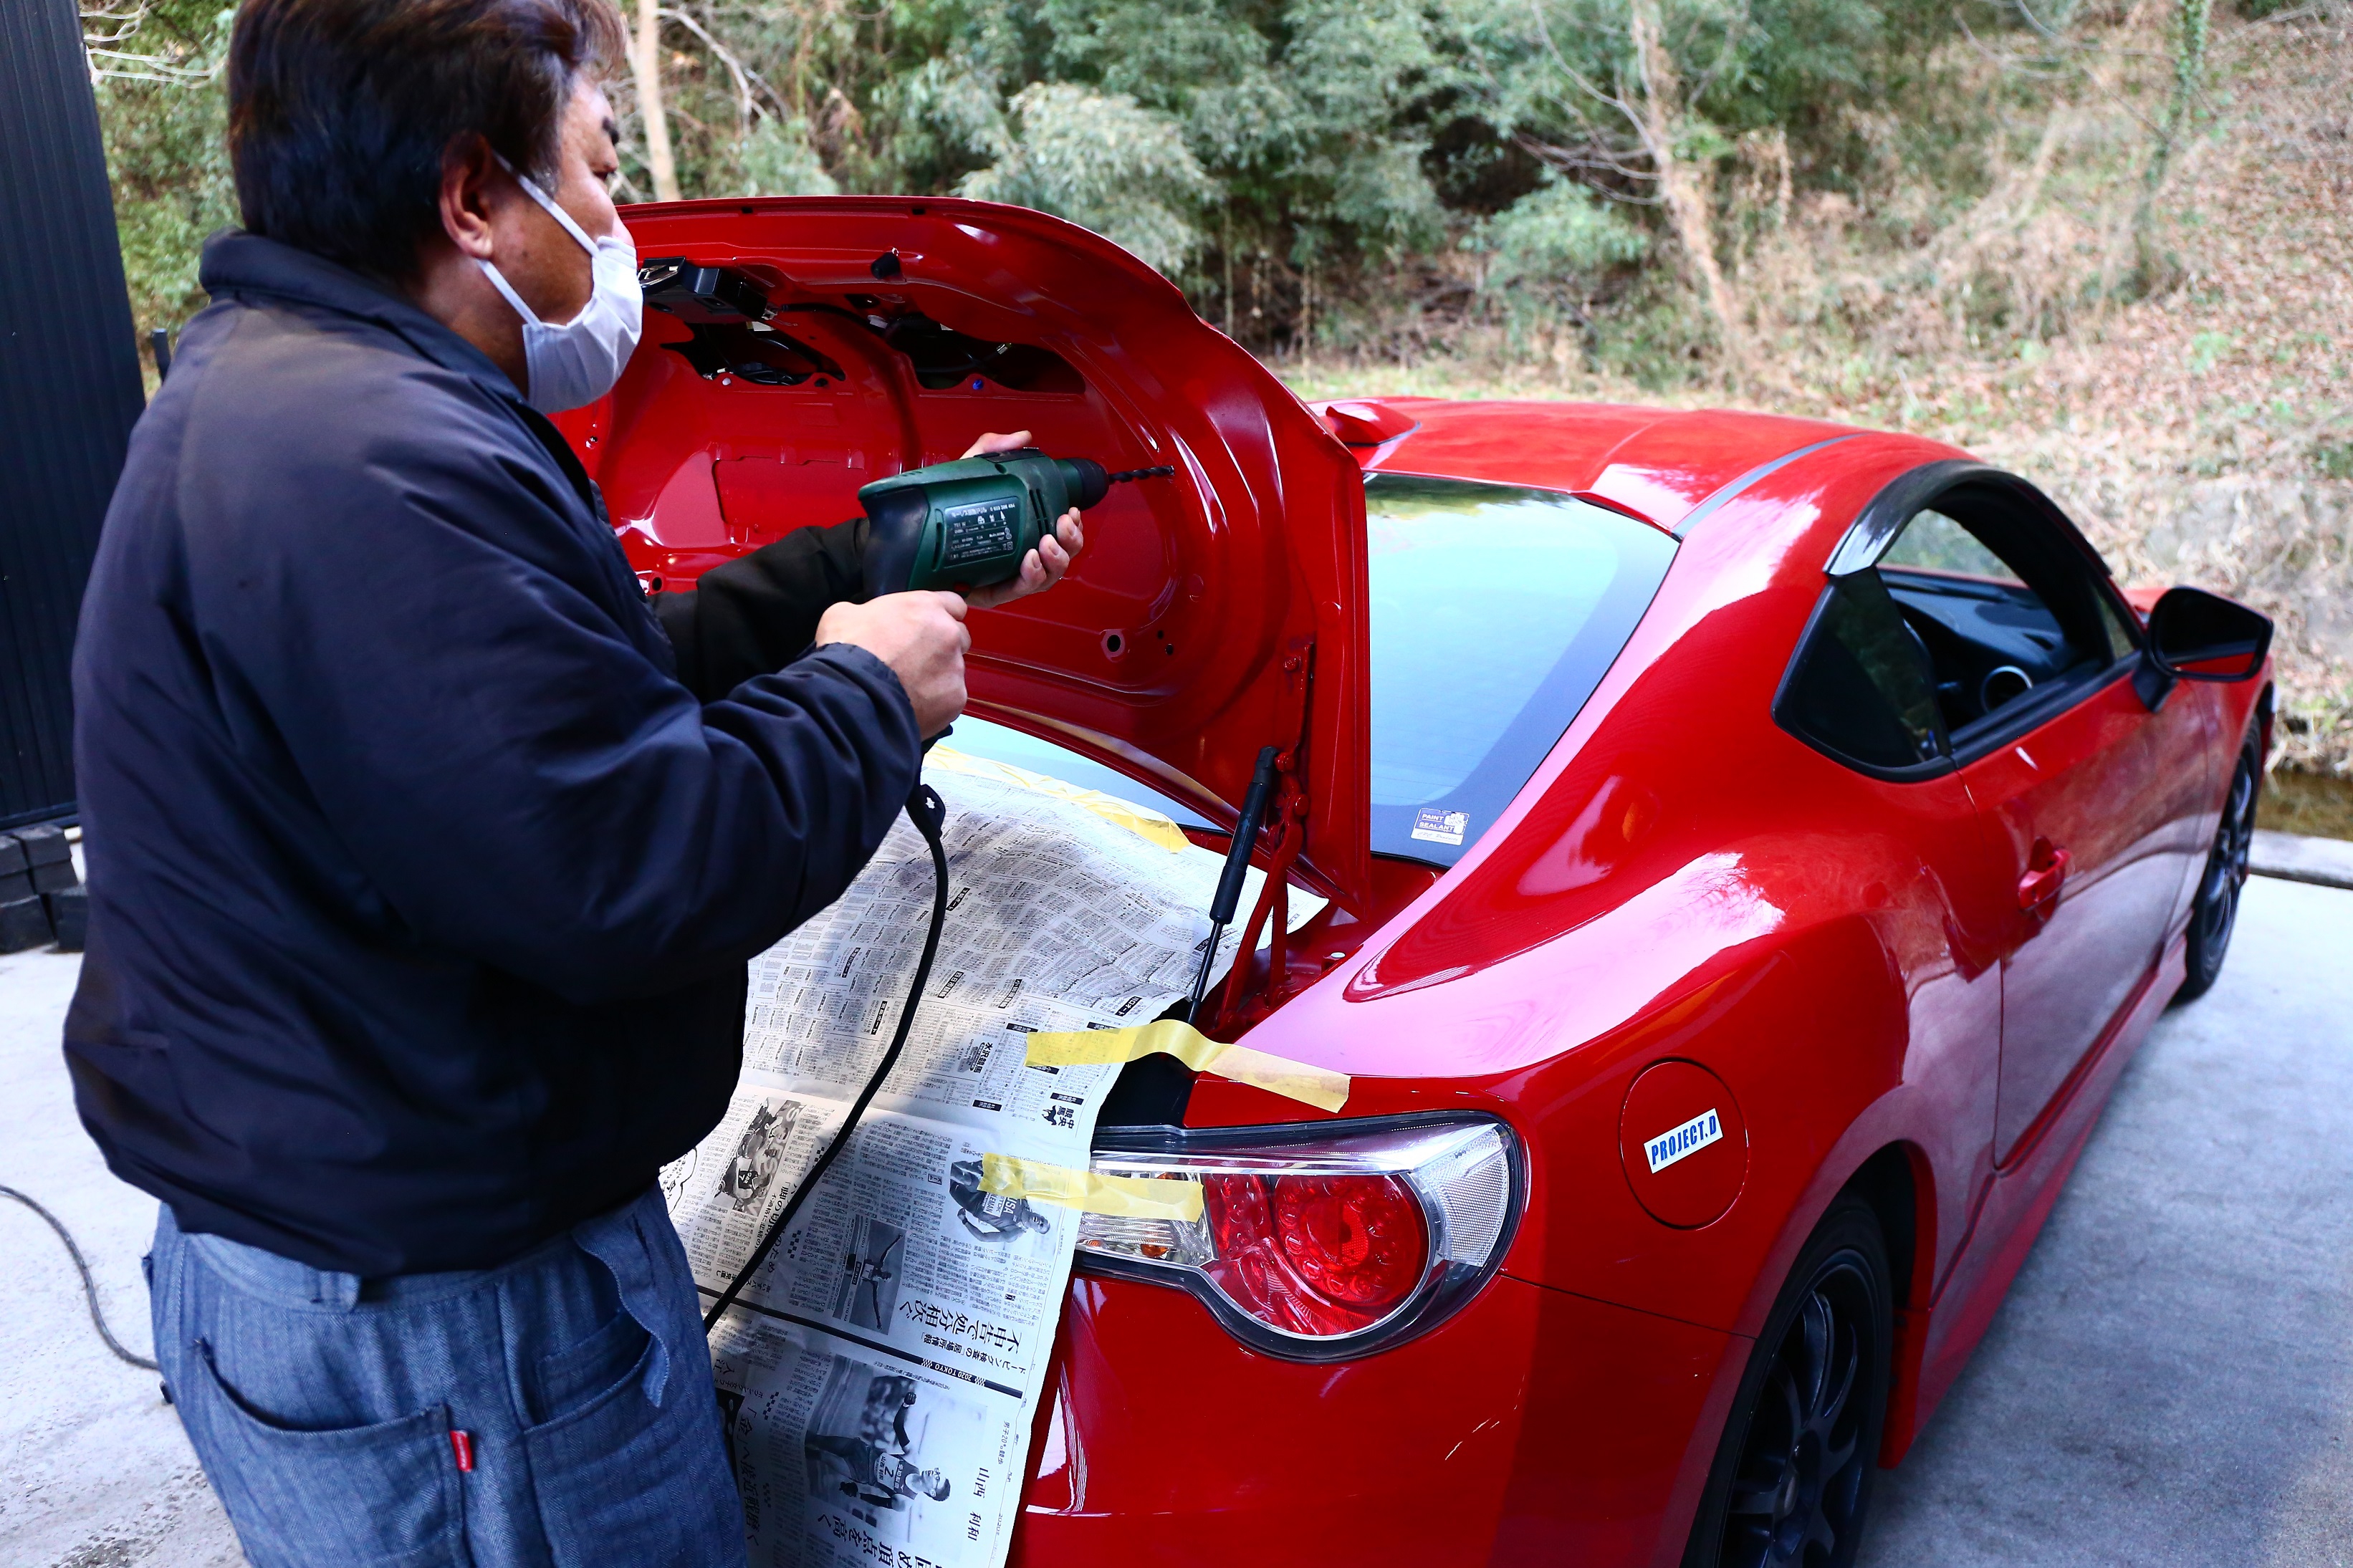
1621,1306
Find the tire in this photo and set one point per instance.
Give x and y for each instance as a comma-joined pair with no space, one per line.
2215,914
1791,1487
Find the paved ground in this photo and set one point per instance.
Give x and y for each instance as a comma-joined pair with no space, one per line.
2326,861
93,1470
2171,1379
2170,1382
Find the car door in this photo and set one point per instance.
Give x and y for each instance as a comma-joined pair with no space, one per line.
2078,788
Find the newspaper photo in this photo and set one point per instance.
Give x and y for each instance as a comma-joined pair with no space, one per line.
880,1373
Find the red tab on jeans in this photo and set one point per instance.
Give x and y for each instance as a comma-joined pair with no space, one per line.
462,1445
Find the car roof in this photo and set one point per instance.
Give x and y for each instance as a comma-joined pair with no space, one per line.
1659,464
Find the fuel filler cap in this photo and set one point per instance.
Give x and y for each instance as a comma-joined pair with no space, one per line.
1683,1143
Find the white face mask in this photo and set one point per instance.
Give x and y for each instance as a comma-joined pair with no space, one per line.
578,361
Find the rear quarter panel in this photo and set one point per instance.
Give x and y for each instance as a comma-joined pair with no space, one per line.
1536,1428
1685,880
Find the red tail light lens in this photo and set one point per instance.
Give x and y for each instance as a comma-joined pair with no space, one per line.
1315,1255
1319,1241
1358,1239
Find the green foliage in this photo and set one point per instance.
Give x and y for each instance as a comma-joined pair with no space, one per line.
1267,153
777,161
163,117
1557,242
1102,161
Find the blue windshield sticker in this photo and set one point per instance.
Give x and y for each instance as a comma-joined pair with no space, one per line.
1440,826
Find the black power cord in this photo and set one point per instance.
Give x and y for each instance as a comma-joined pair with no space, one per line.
89,1285
929,814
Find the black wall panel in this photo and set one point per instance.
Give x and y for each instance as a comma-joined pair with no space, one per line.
70,387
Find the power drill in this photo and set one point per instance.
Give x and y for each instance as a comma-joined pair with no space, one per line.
970,523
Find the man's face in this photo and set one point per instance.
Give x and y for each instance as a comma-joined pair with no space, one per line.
545,265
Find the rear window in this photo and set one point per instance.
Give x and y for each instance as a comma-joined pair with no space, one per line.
1495,612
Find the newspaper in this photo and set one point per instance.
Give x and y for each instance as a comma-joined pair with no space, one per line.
881,1372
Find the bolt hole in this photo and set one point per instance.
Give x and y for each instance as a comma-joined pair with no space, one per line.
1114,645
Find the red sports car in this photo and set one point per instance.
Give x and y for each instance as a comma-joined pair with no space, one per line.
1754,848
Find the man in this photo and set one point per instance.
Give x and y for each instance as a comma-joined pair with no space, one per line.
879,1476
425,854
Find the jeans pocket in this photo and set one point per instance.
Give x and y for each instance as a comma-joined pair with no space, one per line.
570,1376
381,1496
622,1479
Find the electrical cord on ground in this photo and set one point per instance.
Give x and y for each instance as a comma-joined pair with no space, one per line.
929,814
89,1285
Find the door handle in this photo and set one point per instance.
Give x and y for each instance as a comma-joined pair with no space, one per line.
2046,870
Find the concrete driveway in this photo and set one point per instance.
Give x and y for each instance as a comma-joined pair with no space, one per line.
2171,1381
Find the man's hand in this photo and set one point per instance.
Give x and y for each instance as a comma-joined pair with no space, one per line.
1042,567
921,637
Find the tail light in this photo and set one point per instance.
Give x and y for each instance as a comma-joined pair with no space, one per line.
1322,1241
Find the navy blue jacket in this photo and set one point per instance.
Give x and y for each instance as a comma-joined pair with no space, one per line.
422,884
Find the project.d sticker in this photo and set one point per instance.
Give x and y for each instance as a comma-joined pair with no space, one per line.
1677,1143
1440,826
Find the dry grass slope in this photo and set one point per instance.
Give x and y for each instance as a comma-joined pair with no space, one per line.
2196,421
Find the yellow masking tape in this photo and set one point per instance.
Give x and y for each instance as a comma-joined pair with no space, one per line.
1079,1048
1319,1086
1136,1198
1145,823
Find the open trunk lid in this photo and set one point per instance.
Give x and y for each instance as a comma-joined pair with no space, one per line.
1209,614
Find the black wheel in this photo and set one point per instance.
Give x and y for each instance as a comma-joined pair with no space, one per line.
1791,1482
2216,913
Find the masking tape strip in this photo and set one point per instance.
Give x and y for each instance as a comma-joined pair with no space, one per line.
1319,1086
1135,1197
1147,824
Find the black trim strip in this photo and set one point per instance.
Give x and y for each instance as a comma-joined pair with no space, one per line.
1700,513
840,1333
1883,516
2024,715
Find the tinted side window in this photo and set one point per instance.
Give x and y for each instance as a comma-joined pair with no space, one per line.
2001,606
1932,542
1859,686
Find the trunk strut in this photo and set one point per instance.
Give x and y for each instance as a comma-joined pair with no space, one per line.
1287,827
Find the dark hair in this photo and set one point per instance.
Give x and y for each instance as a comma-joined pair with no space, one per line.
342,112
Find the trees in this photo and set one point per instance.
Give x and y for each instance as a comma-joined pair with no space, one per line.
1299,165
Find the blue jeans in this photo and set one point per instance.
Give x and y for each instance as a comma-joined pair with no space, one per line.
556,1412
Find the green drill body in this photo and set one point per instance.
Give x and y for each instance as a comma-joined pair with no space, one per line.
969,523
